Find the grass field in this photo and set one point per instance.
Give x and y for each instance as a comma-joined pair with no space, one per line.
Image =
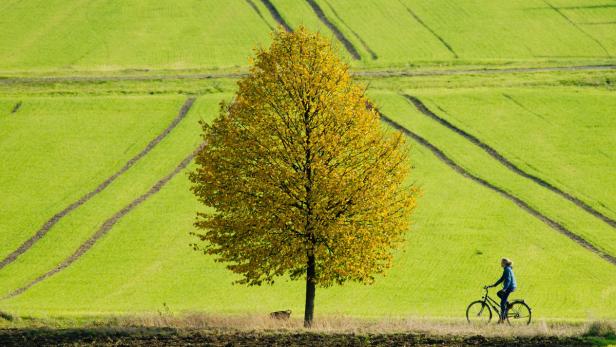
86,86
145,261
567,121
47,36
478,162
71,145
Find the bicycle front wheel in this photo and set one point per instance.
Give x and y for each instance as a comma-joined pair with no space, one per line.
478,312
519,314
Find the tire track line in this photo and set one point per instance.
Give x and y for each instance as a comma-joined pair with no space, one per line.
520,105
16,107
423,24
339,35
256,9
58,216
276,15
519,202
372,53
587,7
508,164
106,226
575,25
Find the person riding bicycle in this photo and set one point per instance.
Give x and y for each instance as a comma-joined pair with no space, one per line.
509,285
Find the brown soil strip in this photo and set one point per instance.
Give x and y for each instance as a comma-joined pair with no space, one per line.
372,53
367,74
508,164
256,9
16,107
522,204
339,35
169,336
106,226
276,15
437,36
58,216
575,25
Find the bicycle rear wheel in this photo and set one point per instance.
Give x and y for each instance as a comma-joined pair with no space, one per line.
478,312
519,314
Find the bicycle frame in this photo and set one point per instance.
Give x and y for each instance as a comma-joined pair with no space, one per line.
494,305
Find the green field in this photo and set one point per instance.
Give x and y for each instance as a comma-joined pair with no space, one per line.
64,36
86,86
524,123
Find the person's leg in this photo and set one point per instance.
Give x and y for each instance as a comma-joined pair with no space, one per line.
504,295
500,294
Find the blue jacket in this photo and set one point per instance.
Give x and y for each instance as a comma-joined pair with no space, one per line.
507,279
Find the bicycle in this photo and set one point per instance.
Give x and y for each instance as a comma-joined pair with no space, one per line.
480,311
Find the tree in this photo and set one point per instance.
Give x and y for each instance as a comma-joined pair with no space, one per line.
301,176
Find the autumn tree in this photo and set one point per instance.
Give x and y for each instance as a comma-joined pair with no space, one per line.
301,176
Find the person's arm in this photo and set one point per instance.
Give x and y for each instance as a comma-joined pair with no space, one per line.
500,280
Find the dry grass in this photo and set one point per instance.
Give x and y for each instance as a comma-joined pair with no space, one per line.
343,324
327,324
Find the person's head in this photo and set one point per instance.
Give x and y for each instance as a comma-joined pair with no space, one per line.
506,262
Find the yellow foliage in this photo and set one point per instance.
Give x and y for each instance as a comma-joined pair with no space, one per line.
298,165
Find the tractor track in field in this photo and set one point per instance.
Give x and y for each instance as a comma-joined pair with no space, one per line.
276,15
434,33
348,45
107,226
372,53
507,163
577,27
256,9
365,73
520,105
58,216
16,107
519,202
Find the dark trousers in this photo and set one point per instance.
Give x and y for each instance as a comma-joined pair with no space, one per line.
503,295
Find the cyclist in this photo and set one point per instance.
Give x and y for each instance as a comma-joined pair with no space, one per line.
509,285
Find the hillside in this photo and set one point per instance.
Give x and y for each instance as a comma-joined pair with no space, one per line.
509,108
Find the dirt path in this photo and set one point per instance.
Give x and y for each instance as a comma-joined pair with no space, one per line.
339,35
522,204
58,216
434,33
106,226
276,15
508,164
487,71
366,73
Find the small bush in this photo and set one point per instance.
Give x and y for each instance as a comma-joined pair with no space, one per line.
601,329
6,316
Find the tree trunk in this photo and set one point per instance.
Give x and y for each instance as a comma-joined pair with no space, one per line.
310,292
